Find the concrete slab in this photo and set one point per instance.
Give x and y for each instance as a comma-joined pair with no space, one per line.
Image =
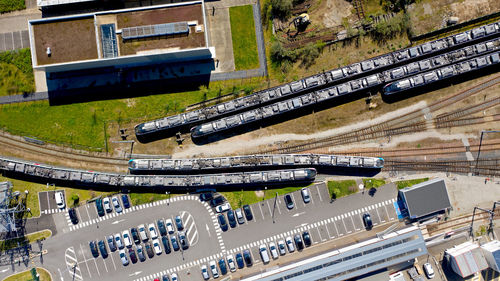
2,42
25,39
220,37
16,36
9,44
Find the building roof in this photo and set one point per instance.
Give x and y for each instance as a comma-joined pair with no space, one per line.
468,259
44,3
426,198
492,246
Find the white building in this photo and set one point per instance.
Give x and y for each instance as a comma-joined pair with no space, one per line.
466,259
491,252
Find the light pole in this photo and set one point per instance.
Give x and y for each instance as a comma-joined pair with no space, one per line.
480,142
274,208
168,194
265,189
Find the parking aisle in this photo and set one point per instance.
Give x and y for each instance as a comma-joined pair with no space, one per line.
47,202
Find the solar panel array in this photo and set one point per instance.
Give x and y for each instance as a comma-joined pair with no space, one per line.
108,40
164,29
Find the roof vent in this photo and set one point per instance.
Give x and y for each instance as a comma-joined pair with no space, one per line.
49,52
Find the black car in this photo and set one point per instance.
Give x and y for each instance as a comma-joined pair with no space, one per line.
161,227
217,201
222,222
102,249
307,238
206,196
165,278
135,235
239,260
289,201
100,207
125,201
367,220
140,253
183,240
72,215
247,257
111,243
248,212
298,242
166,244
231,218
149,250
222,266
93,249
175,245
133,256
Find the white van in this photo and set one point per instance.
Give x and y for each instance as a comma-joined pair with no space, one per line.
60,200
429,271
263,253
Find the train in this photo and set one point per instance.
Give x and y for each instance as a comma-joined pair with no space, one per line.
252,162
176,123
348,88
85,178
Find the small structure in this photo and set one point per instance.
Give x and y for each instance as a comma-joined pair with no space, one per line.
466,259
424,199
491,252
10,209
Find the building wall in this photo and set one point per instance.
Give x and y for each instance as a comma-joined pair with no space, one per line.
493,259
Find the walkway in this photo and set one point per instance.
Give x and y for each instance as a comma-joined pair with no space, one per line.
24,97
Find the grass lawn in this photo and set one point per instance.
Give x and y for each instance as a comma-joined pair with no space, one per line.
28,239
244,39
240,198
407,183
142,198
342,188
26,275
373,183
15,71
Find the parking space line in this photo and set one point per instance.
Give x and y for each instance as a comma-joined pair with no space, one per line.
48,201
269,207
85,260
254,217
293,197
388,217
345,226
97,268
278,205
353,226
320,238
378,215
261,211
328,231
319,194
113,260
105,266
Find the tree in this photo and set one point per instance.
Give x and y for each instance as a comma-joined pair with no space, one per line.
281,9
75,198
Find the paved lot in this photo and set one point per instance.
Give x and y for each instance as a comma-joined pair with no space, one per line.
48,202
14,40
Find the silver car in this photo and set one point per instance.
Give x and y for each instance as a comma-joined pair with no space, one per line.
204,272
123,257
289,244
239,216
118,241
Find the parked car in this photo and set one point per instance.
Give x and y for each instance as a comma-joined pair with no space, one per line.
166,244
231,218
99,207
161,227
118,241
306,196
429,271
367,220
116,204
222,266
111,243
247,257
281,247
93,249
140,253
59,196
217,201
289,201
152,231
133,256
149,250
170,226
307,238
183,240
223,208
156,246
204,272
135,235
239,216
178,223
263,253
174,277
222,222
289,244
107,204
123,257
273,250
206,196
298,242
72,215
165,278
239,260
102,249
230,263
174,242
126,239
142,232
126,202
248,212
213,268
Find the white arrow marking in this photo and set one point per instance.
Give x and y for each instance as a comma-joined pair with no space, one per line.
118,221
4,270
208,230
60,274
135,273
298,214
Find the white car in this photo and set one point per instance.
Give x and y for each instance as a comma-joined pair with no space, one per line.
429,271
223,208
126,239
118,241
156,246
230,263
142,232
305,195
263,253
289,244
213,268
60,200
170,226
116,204
174,277
204,272
281,247
152,231
107,204
123,257
274,251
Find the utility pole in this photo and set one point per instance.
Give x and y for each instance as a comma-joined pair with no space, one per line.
480,143
274,208
472,222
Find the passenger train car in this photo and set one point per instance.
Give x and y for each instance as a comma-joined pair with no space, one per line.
175,123
103,179
253,162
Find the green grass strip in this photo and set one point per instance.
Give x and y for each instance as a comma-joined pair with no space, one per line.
244,39
408,183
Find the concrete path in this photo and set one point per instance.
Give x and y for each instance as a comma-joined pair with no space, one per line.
23,98
14,40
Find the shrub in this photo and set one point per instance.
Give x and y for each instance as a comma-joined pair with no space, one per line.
11,5
281,9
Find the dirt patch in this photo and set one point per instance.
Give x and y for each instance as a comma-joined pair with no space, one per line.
336,11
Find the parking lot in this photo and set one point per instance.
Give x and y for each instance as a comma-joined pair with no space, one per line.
47,202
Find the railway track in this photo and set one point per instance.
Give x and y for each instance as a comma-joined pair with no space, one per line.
455,223
451,167
414,121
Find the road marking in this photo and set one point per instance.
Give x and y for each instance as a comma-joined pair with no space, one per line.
378,215
105,266
85,260
261,211
98,272
320,238
60,274
118,221
269,207
112,259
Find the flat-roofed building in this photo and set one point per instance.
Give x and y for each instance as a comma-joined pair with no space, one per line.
425,198
491,251
466,259
353,261
121,38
